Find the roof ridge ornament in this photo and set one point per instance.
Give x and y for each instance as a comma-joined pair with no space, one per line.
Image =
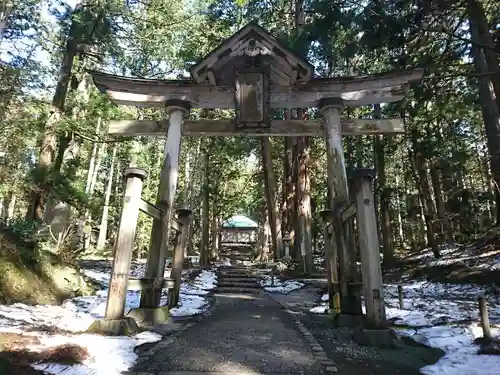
252,48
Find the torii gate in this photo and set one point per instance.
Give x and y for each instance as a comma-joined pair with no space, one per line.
252,73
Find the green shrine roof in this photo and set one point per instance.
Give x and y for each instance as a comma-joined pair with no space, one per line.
239,221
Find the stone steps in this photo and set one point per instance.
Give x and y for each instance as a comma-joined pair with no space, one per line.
229,284
228,290
237,279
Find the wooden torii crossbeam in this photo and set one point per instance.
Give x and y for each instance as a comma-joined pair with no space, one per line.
252,73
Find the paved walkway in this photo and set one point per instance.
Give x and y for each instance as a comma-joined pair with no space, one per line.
245,334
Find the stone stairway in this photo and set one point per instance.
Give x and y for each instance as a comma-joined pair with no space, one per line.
237,279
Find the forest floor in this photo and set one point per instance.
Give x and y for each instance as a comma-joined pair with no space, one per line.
477,262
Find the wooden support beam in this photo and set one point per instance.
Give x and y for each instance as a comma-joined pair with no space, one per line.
150,209
155,266
184,216
124,245
290,128
349,212
156,213
355,91
369,246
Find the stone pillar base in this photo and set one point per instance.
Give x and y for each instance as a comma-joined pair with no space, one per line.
114,327
380,338
348,320
149,316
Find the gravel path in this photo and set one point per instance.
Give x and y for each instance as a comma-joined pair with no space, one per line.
243,334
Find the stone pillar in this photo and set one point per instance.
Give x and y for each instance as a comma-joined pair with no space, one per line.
177,110
369,246
184,217
337,180
114,322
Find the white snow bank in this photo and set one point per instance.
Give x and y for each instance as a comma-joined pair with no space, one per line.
320,309
437,313
191,301
275,285
107,355
440,303
461,356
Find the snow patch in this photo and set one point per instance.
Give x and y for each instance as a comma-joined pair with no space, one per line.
274,285
107,355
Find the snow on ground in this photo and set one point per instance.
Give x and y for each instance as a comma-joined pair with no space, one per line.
322,308
444,316
191,300
108,355
274,285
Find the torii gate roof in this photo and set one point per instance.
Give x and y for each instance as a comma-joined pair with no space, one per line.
355,91
291,84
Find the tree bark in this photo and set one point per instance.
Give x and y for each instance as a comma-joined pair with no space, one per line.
4,16
272,207
424,188
291,192
191,167
103,228
205,218
440,205
482,33
93,156
304,203
48,144
214,226
288,184
384,201
489,104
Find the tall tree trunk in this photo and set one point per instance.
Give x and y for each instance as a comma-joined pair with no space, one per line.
424,188
205,223
482,34
93,182
401,232
11,206
214,226
489,107
48,144
103,228
384,201
264,233
291,192
288,185
93,156
440,205
4,16
192,165
272,207
304,203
